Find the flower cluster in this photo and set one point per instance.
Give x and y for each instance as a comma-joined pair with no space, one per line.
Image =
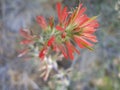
73,28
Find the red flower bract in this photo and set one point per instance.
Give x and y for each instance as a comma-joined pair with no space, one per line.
28,38
42,53
60,28
26,34
41,21
71,50
51,40
62,14
63,50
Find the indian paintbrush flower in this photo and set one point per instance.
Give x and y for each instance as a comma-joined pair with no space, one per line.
76,27
73,28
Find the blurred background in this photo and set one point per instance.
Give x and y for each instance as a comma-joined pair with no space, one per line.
97,70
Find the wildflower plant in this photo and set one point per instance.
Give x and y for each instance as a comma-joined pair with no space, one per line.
58,40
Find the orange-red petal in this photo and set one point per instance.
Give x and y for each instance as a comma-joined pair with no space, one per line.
90,37
89,30
25,34
63,50
64,14
80,13
51,40
58,7
42,53
26,41
78,41
83,41
59,28
51,22
41,21
70,50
